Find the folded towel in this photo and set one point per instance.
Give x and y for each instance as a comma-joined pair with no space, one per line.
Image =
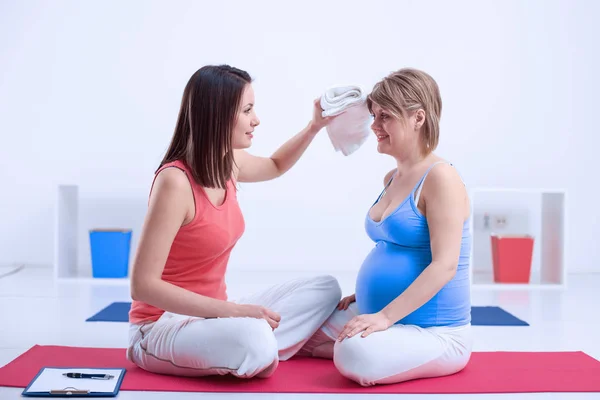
351,127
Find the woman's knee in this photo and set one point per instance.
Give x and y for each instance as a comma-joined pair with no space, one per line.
245,347
327,291
354,360
258,346
368,361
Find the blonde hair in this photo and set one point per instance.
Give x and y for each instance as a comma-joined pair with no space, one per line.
408,90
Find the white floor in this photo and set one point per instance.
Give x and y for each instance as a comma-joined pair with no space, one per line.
30,301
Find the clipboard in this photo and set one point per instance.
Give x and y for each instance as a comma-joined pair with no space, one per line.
50,382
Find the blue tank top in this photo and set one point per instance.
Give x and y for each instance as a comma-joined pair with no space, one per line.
402,251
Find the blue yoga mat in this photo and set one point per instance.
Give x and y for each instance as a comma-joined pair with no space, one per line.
480,316
494,316
115,312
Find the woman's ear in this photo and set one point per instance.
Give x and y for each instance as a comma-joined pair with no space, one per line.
419,119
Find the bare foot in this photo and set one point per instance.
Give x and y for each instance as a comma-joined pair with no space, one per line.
267,372
324,351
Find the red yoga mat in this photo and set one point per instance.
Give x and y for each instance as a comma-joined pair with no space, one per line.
487,372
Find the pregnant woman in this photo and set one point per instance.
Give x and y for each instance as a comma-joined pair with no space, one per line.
411,314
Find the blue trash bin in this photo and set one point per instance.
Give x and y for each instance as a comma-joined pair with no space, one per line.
110,252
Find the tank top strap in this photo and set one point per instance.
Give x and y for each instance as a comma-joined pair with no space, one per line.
386,186
419,186
177,163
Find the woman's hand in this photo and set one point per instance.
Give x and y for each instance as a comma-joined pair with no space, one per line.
318,122
366,323
259,169
346,301
260,312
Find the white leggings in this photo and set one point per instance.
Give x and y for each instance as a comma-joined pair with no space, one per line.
400,353
244,347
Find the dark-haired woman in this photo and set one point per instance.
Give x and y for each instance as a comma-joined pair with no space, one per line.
181,320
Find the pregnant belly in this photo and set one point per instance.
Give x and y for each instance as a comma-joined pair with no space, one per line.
385,273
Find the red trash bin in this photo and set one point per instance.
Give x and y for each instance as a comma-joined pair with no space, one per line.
511,256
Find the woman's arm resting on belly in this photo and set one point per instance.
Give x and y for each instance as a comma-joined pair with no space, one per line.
446,209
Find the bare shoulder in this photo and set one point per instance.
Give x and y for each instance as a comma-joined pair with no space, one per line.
172,181
444,186
172,194
444,176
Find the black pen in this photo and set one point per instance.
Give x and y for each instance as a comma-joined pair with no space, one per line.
79,375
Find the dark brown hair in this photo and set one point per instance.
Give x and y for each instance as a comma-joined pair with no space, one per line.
207,116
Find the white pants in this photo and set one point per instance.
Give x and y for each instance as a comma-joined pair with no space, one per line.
400,353
244,347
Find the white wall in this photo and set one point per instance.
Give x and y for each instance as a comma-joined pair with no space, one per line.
89,93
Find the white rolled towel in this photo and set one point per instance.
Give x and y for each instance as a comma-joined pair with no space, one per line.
351,127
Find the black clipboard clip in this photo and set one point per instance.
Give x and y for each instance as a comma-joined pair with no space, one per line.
69,391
